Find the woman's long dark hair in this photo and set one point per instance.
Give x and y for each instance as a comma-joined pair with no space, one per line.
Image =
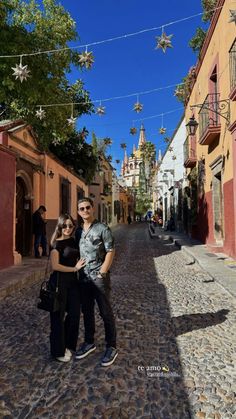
58,230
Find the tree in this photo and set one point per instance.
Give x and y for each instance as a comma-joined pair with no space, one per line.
28,27
75,152
198,39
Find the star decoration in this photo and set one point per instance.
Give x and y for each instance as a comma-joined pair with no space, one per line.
101,110
80,146
133,131
167,139
21,72
40,113
86,59
138,107
170,148
71,121
162,130
233,16
164,42
56,141
178,92
173,157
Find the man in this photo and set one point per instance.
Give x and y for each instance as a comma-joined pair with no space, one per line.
96,245
39,231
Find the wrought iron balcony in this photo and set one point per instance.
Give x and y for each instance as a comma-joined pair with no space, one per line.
209,118
190,157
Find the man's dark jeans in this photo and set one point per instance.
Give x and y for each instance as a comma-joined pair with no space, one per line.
97,290
40,239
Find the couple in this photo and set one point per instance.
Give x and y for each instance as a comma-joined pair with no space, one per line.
82,282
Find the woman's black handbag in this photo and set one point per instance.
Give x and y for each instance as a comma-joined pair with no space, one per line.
49,294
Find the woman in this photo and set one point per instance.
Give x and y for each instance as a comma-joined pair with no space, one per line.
64,260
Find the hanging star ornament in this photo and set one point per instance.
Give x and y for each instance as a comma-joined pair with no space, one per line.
133,131
101,110
21,72
164,42
138,107
162,130
178,92
86,59
71,121
40,113
167,139
233,16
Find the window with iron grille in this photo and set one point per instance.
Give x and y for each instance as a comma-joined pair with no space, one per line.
232,65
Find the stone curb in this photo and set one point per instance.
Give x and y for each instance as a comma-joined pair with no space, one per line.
20,281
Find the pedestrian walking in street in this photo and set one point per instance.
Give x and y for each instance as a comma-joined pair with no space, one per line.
97,248
39,231
64,260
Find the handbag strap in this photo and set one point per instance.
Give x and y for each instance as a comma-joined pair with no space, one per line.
47,266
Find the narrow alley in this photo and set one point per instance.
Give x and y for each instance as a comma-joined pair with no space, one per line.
176,342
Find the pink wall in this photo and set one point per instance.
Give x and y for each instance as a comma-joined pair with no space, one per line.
7,192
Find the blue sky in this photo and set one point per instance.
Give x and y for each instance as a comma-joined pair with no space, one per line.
131,65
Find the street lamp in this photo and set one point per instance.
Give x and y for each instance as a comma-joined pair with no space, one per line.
192,126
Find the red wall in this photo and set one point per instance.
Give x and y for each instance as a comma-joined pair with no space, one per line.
204,229
7,191
229,242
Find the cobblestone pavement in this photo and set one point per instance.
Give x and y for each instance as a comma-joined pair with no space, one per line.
176,340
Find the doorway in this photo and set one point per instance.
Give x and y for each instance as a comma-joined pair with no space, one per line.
218,207
23,219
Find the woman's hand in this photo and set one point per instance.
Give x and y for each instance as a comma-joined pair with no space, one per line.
80,264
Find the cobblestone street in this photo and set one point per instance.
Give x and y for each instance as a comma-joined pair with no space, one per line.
176,341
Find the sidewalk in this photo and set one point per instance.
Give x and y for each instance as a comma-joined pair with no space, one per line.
19,276
219,266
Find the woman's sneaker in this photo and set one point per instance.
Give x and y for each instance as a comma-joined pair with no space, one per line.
66,357
109,356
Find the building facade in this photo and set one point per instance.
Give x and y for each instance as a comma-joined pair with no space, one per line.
210,154
30,178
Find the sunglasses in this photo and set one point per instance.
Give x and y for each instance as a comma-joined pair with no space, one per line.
67,226
85,208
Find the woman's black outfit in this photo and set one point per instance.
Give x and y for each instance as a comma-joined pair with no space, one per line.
65,322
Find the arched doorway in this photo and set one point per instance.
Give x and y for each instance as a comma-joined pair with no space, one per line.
23,219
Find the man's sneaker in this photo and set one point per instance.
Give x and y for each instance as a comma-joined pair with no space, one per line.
84,350
109,356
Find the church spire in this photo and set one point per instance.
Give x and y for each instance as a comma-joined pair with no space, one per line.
142,137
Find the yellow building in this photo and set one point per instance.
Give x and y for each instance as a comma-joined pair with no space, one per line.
210,154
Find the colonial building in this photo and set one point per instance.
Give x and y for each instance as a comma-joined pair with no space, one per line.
30,178
171,178
210,152
130,168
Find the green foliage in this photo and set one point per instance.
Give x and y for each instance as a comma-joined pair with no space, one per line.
75,152
208,8
28,27
148,151
197,40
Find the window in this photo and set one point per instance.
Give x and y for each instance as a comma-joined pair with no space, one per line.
64,196
232,68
